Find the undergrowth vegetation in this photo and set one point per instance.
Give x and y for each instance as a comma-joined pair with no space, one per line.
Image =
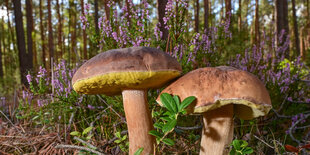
51,104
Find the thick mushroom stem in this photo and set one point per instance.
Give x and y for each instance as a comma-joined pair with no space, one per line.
139,121
217,133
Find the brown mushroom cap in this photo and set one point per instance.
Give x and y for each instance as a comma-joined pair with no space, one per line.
112,71
216,87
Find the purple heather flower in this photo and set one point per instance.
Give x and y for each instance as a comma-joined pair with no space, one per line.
28,76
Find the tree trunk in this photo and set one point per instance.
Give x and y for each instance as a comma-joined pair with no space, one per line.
239,16
161,6
59,39
257,33
29,30
295,28
50,34
308,12
84,32
24,63
197,16
206,15
227,7
281,14
96,17
42,35
1,65
106,9
73,31
3,50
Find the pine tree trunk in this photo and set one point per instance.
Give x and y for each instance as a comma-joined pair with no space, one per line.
106,9
29,31
295,28
161,6
227,7
73,31
84,32
59,39
50,34
42,30
206,15
23,58
1,65
11,36
96,16
257,33
281,14
197,16
239,16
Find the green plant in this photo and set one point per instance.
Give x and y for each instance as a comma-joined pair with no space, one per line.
122,142
173,108
84,135
240,147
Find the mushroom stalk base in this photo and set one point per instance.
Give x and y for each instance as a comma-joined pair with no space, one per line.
139,121
217,132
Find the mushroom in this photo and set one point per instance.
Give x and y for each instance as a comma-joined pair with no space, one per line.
130,72
221,92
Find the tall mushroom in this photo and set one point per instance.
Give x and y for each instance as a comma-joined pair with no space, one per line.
130,72
221,92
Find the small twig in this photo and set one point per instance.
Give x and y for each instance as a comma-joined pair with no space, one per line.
10,121
88,144
122,118
70,121
60,146
188,128
114,138
263,142
294,125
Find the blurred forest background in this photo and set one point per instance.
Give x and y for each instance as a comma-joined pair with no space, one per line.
34,32
43,42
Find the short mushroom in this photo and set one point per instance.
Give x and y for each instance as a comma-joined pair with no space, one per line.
130,72
221,92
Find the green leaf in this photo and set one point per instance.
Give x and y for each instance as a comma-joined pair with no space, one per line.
155,133
166,118
168,141
170,125
85,131
232,152
158,125
118,135
75,133
243,144
35,117
247,150
117,141
177,101
168,102
139,151
89,137
123,138
187,102
236,144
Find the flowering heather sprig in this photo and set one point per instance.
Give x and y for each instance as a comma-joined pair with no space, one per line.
29,78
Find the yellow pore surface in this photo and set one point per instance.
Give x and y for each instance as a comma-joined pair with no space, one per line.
243,109
114,82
